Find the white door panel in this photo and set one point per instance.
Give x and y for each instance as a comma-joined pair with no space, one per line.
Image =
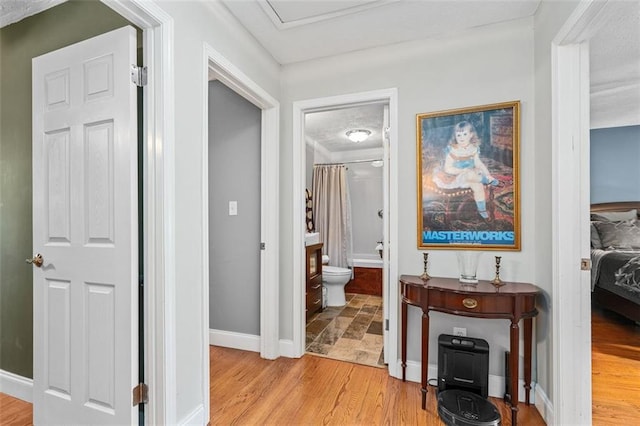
85,226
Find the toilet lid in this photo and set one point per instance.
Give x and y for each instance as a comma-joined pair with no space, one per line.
335,270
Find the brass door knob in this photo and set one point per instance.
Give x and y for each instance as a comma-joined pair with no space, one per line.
37,260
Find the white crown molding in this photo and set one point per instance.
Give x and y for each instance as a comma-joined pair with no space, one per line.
270,11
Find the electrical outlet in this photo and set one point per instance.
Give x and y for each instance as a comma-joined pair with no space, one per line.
459,331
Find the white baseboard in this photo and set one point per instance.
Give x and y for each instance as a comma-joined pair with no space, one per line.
229,339
496,383
16,386
247,342
286,349
544,405
196,417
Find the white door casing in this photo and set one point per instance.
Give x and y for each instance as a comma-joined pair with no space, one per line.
571,295
85,224
386,234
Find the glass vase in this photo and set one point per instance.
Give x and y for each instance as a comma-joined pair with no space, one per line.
468,266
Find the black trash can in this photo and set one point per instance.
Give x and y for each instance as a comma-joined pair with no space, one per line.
460,407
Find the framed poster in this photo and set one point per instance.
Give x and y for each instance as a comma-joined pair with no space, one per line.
468,178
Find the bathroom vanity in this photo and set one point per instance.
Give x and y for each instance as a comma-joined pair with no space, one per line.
313,279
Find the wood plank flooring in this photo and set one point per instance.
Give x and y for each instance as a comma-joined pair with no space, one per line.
247,390
15,412
615,363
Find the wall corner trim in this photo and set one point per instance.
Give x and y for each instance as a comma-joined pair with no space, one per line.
196,417
544,405
287,349
16,386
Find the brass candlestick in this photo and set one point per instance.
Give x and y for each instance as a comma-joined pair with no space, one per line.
424,275
497,281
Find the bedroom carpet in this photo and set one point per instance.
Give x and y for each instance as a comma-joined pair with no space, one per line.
350,333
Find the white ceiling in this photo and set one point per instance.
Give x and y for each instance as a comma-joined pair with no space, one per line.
296,30
14,10
614,55
328,128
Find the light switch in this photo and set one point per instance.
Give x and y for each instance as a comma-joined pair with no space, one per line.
233,208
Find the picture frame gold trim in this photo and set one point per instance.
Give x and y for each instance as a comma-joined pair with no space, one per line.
468,178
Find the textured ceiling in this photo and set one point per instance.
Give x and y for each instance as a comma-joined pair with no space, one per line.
14,10
615,67
328,128
295,30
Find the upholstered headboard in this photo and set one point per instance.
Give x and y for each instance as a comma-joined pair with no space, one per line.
618,206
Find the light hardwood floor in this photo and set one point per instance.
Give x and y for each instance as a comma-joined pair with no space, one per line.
615,359
315,390
14,412
247,390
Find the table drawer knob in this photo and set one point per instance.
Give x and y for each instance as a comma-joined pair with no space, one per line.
470,303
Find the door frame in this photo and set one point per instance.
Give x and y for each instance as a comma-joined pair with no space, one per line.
571,310
300,108
158,206
236,80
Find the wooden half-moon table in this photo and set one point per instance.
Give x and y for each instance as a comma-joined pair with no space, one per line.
511,301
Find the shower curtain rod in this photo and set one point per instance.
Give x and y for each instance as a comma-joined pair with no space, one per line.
348,162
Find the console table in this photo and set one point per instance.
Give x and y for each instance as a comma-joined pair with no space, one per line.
511,301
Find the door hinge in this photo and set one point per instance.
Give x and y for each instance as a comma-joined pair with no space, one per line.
140,394
139,75
585,264
263,246
386,325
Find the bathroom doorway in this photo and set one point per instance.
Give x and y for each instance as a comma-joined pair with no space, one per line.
344,183
360,330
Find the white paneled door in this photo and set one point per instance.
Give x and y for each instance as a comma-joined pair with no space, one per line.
85,227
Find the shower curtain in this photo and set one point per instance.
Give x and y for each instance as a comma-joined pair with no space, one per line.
332,212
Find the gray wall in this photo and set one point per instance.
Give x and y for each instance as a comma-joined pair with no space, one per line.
615,155
234,175
57,27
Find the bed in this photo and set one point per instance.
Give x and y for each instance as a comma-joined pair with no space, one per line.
615,257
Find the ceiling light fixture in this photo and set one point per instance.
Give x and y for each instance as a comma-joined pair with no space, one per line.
358,135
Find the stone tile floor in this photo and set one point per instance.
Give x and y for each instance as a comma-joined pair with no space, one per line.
350,333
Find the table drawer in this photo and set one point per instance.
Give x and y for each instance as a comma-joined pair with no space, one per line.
471,303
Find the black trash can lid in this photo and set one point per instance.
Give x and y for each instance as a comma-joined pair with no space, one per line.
459,407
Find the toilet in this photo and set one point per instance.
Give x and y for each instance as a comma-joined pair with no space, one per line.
333,280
